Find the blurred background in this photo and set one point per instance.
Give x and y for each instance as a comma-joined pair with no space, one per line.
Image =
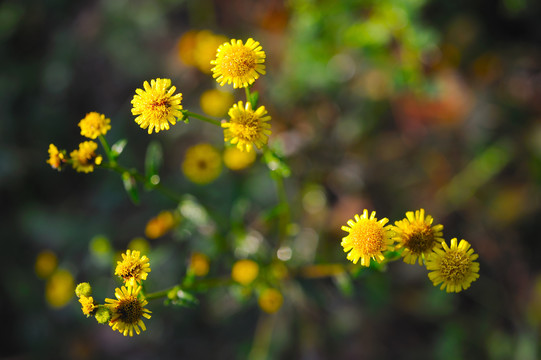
388,105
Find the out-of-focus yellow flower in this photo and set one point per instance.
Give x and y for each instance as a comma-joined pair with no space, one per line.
133,268
270,300
453,266
161,224
84,159
368,238
46,263
94,124
140,244
156,106
128,310
56,157
59,288
186,47
87,305
199,264
202,164
245,271
83,289
206,44
236,159
216,103
247,127
238,63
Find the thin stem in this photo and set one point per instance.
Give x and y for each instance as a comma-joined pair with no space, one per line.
202,117
107,149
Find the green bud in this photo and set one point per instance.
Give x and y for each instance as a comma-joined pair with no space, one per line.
103,315
83,289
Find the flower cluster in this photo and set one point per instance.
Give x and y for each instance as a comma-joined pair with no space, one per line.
124,313
417,240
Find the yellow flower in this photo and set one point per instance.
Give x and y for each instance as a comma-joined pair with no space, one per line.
94,124
56,158
161,224
368,238
156,105
205,49
186,47
46,263
454,267
238,63
133,268
84,159
244,271
417,236
216,103
270,300
59,288
236,159
87,305
247,127
128,310
202,164
199,264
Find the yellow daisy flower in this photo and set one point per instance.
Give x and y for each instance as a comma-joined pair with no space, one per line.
453,266
133,268
156,106
202,164
247,127
368,238
270,300
128,310
94,124
84,159
87,305
245,271
56,157
238,63
236,159
417,236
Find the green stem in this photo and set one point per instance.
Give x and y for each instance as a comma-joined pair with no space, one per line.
201,117
107,149
159,294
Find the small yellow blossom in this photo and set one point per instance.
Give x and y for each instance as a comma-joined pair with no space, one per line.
128,310
453,266
270,300
247,127
94,124
199,264
84,159
87,305
417,236
202,164
238,63
156,106
215,102
368,238
133,268
59,288
56,157
46,263
236,159
244,271
161,224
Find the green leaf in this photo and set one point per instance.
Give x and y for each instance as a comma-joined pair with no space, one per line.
254,98
118,147
153,159
130,185
276,163
180,297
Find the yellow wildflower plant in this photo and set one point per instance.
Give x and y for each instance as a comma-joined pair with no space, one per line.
238,63
216,102
56,157
454,267
368,238
156,105
417,236
127,310
247,127
161,224
270,300
87,305
236,159
94,124
84,159
244,271
133,268
202,164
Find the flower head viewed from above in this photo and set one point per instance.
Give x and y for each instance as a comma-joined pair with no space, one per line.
453,266
246,127
238,63
128,310
94,124
368,238
417,236
56,157
84,159
202,164
133,268
157,105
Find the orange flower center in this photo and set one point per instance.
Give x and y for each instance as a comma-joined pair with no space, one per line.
368,237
